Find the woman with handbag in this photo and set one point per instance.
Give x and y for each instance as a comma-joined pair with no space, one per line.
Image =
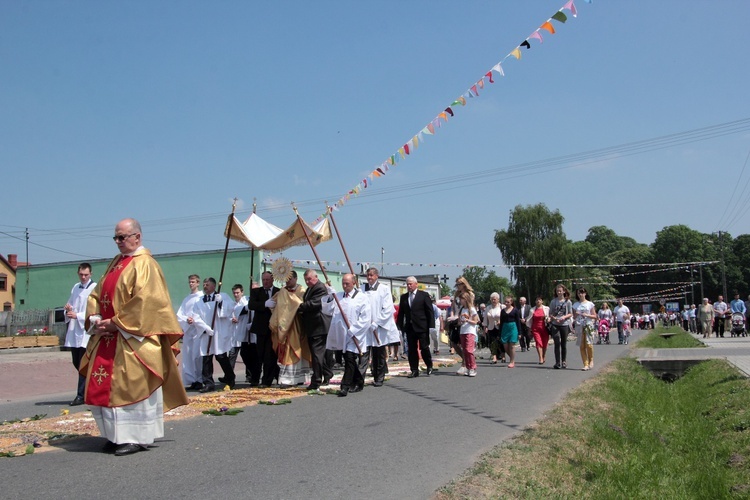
561,310
537,323
491,324
584,313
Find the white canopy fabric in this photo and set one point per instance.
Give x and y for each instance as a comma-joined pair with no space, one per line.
260,234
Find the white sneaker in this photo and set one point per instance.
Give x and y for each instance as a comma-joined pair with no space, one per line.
472,373
461,371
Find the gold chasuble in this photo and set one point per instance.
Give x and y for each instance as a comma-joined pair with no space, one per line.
286,333
121,371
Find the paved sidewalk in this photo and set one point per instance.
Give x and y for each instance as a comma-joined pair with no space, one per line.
736,350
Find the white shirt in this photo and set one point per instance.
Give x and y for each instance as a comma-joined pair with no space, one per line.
186,311
381,309
79,295
621,313
357,311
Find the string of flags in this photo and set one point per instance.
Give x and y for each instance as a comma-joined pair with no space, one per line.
547,28
647,271
302,262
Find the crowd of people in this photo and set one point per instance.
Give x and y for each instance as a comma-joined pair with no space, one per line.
123,334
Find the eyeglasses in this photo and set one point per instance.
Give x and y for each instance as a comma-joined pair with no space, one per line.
120,238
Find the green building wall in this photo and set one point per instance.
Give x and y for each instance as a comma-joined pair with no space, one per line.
49,285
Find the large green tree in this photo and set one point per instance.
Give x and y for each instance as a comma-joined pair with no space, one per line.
534,237
484,283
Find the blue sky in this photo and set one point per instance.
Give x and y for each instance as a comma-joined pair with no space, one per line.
165,111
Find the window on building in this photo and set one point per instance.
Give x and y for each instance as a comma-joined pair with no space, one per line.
3,282
7,306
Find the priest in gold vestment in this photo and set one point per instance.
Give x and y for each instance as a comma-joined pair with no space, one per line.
130,366
292,350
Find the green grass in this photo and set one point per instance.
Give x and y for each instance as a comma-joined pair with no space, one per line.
626,434
653,339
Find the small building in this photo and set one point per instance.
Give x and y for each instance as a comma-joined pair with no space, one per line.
8,281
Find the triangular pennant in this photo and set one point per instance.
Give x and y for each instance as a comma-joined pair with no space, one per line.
401,152
406,148
481,83
560,16
497,67
526,44
377,173
548,26
415,142
435,122
428,129
443,115
517,52
365,182
489,75
449,111
474,89
571,7
537,35
380,170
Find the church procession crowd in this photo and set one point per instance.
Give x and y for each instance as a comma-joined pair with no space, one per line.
123,335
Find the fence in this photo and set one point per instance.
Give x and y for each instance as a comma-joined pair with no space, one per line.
33,322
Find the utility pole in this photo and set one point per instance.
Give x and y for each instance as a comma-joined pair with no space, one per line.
723,265
27,261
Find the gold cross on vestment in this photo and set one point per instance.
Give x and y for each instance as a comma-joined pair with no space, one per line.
100,375
105,301
107,338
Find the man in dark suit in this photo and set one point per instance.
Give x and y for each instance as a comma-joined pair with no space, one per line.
524,336
416,317
315,327
265,356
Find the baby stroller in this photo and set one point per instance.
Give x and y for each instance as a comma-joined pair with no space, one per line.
738,325
603,332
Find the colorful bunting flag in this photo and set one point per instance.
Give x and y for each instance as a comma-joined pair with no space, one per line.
473,91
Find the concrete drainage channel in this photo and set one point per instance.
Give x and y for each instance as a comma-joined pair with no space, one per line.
671,369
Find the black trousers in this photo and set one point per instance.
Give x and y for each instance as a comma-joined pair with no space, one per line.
244,351
355,367
207,373
559,334
266,359
422,340
77,354
321,369
379,358
524,336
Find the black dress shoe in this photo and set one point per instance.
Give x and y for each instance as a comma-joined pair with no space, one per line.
377,384
76,402
413,375
207,388
429,371
222,380
195,386
128,449
313,387
343,392
110,447
326,381
357,388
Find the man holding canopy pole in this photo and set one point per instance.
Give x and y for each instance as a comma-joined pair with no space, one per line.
351,325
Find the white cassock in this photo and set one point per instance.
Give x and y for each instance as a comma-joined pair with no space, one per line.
76,335
357,310
192,364
222,330
381,307
239,329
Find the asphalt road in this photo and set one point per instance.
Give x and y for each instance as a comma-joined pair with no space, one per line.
405,439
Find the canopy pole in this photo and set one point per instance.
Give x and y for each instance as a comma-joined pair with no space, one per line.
325,275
